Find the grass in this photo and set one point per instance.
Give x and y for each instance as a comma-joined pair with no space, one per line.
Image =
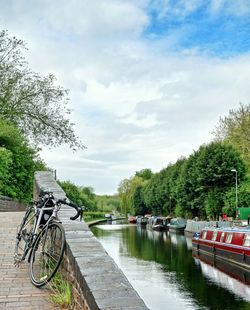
93,216
61,292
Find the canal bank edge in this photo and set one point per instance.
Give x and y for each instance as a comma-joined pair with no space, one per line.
96,280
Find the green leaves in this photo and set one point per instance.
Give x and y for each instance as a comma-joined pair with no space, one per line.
18,163
235,129
194,186
82,196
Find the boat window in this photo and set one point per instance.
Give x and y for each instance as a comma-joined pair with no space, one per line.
204,235
247,240
222,236
229,237
215,235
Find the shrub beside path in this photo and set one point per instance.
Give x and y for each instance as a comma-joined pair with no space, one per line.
16,290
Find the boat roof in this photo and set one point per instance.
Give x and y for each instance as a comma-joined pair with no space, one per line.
226,229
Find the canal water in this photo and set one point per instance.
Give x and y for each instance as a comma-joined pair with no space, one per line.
166,275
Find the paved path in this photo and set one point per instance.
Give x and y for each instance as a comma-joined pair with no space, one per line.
16,290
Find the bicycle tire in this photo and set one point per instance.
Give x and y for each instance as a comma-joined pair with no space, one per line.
46,254
23,236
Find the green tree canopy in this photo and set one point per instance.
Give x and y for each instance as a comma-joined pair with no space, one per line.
18,162
82,196
34,103
235,129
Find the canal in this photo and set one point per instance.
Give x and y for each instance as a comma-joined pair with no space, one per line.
161,268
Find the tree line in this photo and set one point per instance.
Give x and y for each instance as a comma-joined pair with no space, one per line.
204,184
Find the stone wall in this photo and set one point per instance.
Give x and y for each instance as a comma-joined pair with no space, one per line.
96,280
9,205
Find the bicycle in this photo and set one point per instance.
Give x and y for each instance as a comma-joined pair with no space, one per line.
41,238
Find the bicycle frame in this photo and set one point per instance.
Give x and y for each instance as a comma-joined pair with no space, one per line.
37,217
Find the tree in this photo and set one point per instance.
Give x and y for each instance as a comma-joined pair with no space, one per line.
34,103
145,174
82,196
18,163
5,164
243,193
123,190
235,129
207,177
140,207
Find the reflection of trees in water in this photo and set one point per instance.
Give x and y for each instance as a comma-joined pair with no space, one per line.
171,251
150,245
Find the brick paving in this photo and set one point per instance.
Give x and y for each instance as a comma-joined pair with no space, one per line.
16,290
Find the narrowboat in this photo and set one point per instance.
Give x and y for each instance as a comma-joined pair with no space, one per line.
177,225
132,219
158,224
141,220
231,244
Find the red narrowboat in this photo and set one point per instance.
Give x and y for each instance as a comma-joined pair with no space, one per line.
132,219
232,245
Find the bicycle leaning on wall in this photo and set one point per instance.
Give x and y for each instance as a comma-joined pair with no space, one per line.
41,238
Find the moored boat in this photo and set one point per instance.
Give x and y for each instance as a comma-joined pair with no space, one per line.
132,219
141,220
177,225
158,224
231,244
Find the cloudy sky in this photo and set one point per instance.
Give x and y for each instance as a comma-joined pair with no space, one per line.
148,79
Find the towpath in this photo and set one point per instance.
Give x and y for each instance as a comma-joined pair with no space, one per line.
16,290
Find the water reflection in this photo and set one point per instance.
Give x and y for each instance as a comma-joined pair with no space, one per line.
161,268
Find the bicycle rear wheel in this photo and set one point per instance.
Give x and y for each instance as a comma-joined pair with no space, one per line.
24,235
47,253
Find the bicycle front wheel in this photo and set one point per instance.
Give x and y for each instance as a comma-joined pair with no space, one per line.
47,253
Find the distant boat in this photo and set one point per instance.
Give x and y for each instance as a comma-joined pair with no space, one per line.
141,220
132,219
157,223
177,225
108,216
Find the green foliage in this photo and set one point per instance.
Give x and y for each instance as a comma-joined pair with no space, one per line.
127,191
108,203
18,163
123,191
5,164
179,211
243,193
62,294
206,178
82,196
194,186
90,216
145,174
140,207
235,129
35,104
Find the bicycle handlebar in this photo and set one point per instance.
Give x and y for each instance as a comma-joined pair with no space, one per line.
71,204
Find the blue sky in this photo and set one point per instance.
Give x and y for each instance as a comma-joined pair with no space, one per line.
223,32
148,79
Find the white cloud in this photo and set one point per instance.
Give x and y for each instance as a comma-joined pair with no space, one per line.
136,105
236,7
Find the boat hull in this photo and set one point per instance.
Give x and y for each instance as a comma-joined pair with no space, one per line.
179,230
235,271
